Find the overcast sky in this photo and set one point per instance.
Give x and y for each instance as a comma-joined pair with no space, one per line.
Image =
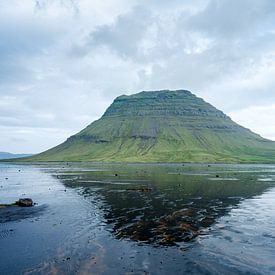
62,62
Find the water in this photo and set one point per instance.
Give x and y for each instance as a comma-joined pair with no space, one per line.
138,219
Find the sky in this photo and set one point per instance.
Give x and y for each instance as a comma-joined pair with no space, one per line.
62,62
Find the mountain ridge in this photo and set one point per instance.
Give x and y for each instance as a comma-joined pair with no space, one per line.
162,126
8,155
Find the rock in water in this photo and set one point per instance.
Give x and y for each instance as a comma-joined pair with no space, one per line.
26,202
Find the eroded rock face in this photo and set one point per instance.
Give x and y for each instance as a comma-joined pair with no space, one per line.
162,103
26,202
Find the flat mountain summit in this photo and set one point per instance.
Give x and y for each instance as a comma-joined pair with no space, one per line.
162,126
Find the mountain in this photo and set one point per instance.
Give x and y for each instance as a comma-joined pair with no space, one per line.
163,126
6,155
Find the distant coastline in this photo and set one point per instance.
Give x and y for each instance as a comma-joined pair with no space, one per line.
7,155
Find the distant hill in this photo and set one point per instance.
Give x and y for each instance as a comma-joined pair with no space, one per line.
6,155
163,126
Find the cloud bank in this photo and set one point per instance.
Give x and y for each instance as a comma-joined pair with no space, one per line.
64,61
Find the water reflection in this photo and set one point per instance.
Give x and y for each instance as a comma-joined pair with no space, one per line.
122,219
164,205
13,213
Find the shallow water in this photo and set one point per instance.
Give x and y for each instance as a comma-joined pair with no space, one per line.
138,219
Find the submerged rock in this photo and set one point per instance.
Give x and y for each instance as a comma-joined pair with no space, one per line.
167,230
26,202
140,189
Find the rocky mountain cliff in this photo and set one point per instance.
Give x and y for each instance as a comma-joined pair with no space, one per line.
162,126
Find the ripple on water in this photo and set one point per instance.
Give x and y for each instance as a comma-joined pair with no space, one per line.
244,239
163,223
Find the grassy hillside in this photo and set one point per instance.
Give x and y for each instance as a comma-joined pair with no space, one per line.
162,126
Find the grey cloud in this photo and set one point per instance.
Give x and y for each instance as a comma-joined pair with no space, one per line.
172,38
21,41
125,35
72,5
229,19
63,73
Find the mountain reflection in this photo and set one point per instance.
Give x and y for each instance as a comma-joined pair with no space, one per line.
163,205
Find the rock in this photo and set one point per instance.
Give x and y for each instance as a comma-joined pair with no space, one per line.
140,189
207,221
6,205
26,202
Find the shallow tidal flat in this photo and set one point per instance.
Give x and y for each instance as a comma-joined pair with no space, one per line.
137,218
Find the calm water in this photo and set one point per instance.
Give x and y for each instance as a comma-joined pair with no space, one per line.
138,219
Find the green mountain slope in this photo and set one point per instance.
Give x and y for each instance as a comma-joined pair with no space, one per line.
162,126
